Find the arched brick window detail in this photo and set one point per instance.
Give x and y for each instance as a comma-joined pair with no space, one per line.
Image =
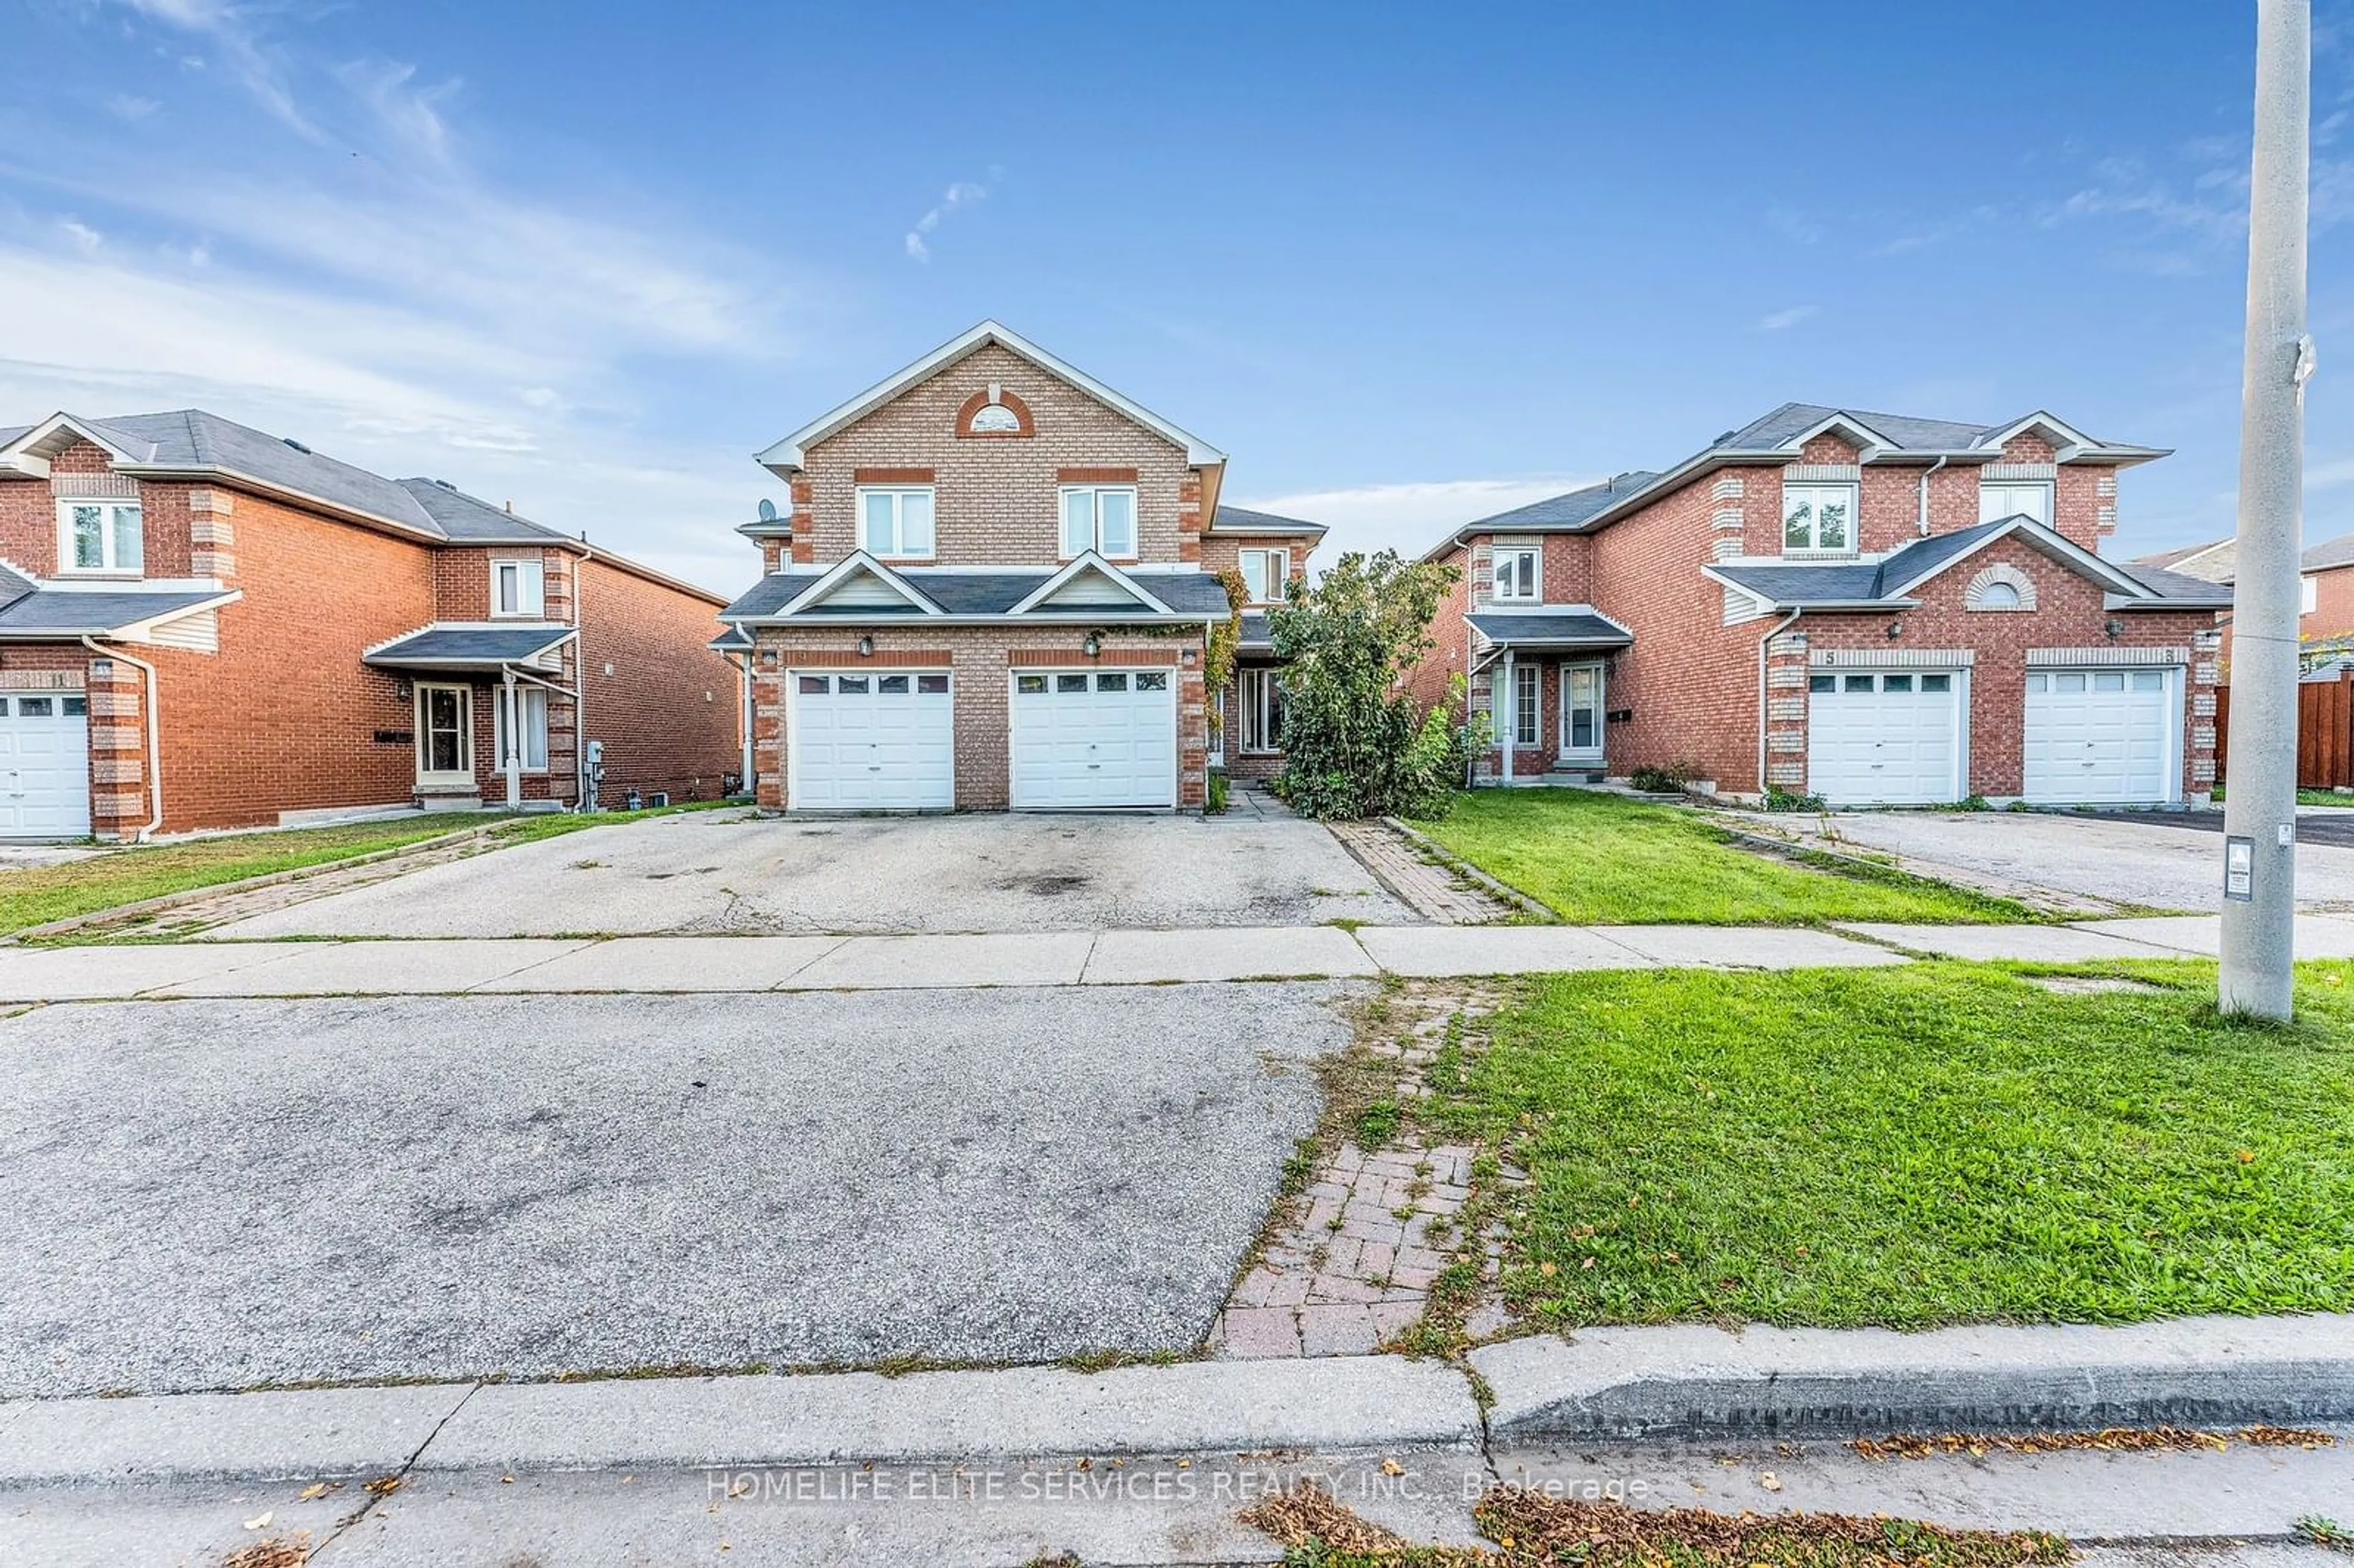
994,413
1999,586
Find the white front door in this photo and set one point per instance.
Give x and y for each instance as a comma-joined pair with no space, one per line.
445,736
873,740
1094,738
45,765
2102,737
1889,737
1581,713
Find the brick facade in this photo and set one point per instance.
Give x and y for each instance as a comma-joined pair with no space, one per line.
281,716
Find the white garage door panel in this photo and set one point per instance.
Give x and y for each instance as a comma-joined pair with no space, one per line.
1891,738
877,741
2101,736
1094,738
45,765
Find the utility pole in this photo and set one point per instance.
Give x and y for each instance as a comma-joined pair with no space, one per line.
2260,806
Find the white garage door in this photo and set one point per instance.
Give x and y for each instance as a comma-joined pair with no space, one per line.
1887,738
877,741
45,765
1094,738
2101,736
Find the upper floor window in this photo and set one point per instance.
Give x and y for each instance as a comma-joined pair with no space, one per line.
518,587
994,420
1519,573
896,523
1101,518
1819,516
1264,574
100,537
2033,499
2308,595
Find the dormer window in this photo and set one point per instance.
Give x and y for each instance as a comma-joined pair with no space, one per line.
1819,517
2033,499
896,523
1101,518
100,536
1520,575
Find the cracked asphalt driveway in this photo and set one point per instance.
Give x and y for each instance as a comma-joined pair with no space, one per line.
712,872
216,1194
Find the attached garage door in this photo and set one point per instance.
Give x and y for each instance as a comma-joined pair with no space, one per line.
2101,736
1888,738
45,765
878,740
1094,738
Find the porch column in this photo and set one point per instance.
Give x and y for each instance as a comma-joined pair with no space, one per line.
1510,729
512,763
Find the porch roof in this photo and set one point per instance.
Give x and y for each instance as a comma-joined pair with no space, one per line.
1545,631
467,647
48,612
966,593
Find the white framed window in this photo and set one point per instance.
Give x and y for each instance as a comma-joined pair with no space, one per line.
896,523
1262,693
1518,574
1264,574
445,734
1099,517
1527,680
2030,498
533,700
2308,595
100,537
519,587
1819,516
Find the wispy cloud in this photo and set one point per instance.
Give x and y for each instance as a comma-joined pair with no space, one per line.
129,106
1793,225
1777,321
246,57
963,194
1411,516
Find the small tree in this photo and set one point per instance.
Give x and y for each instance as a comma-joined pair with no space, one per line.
1355,742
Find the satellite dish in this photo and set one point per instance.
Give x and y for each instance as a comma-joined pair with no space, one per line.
768,510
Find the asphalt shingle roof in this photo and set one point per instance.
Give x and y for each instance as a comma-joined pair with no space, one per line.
2337,552
1907,430
1574,627
981,593
471,644
1869,582
1242,520
68,612
1565,511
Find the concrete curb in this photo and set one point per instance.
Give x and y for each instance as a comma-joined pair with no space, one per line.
1691,1381
1340,1404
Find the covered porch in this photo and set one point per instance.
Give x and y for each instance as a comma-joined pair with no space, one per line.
1542,676
495,710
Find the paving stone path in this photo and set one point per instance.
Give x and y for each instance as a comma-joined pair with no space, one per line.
1433,891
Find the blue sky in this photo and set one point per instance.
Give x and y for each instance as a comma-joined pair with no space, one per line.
1407,264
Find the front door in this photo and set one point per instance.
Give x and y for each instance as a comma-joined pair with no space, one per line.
445,737
1581,713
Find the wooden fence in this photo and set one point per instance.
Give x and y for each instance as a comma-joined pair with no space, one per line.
2324,733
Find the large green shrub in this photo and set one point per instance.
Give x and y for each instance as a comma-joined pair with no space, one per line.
1355,742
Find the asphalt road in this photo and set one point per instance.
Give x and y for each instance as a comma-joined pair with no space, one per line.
217,1194
2333,827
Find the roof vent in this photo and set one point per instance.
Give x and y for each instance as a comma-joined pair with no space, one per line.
298,446
1724,437
446,485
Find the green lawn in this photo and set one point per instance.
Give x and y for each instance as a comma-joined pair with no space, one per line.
2307,798
40,894
1938,1143
1600,859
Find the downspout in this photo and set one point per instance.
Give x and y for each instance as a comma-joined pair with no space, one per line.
1926,475
1763,658
155,737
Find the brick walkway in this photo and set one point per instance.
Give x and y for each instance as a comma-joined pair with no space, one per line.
1434,892
1348,1261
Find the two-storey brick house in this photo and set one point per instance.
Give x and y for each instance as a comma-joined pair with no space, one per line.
1867,607
202,626
995,589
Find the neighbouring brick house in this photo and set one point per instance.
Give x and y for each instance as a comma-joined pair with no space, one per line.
1867,607
202,626
2326,607
994,591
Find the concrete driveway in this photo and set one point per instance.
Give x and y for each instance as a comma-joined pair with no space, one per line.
214,1194
710,872
2159,859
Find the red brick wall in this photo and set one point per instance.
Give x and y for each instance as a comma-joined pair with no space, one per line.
1889,497
668,709
982,659
2333,605
29,517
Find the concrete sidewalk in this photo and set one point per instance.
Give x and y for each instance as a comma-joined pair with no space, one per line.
660,965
